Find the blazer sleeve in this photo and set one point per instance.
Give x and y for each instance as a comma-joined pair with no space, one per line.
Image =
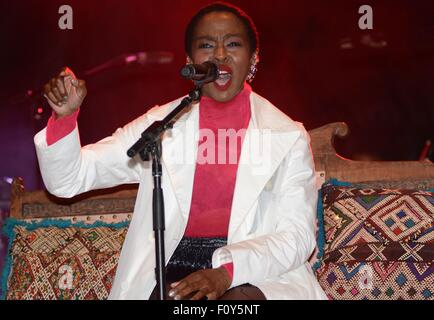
293,212
69,169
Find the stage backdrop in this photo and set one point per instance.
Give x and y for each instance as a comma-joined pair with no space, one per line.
316,65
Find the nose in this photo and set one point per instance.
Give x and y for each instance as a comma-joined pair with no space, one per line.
220,53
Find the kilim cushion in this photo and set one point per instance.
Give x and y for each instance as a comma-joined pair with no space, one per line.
59,260
379,243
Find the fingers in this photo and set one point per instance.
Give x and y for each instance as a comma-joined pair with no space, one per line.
190,288
179,285
197,285
202,290
50,96
60,82
181,290
212,295
55,90
200,294
80,87
184,287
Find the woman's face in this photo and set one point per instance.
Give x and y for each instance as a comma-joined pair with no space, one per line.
221,37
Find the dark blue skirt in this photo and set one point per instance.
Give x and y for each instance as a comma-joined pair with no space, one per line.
192,254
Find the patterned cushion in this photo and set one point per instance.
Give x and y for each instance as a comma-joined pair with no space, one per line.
379,243
61,261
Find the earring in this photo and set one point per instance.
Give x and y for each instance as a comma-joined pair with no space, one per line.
253,69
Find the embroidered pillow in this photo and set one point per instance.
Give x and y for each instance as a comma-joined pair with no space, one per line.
379,243
58,260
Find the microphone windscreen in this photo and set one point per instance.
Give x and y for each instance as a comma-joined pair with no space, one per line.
187,71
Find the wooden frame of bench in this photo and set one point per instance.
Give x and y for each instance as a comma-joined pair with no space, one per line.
120,200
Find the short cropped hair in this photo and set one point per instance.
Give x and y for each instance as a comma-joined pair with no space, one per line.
252,33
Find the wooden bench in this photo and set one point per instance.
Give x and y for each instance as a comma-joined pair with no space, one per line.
116,204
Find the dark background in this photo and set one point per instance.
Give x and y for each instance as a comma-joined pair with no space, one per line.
384,93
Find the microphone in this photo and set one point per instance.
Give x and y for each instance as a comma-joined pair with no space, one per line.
203,73
141,58
151,57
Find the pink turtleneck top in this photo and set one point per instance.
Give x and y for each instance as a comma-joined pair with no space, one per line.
222,126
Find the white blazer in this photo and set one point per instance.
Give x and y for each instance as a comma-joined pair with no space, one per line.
271,230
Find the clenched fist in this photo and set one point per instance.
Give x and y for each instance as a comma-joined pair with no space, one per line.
65,93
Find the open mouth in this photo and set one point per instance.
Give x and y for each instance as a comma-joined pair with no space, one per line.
225,78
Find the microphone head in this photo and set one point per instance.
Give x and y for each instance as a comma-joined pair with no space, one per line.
203,73
213,71
187,71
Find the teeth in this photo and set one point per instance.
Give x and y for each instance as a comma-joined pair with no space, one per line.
222,81
225,76
223,72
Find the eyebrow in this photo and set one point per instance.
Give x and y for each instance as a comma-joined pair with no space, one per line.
229,35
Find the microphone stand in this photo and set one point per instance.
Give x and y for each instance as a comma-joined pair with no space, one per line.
149,144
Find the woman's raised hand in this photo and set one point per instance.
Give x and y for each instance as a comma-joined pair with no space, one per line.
65,93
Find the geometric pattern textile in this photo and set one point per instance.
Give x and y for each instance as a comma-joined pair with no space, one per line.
379,244
56,263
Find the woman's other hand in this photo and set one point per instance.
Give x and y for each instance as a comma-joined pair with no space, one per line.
211,283
65,93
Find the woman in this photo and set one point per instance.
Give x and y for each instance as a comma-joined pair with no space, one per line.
228,225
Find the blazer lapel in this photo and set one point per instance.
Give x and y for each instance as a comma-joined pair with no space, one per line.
268,140
179,146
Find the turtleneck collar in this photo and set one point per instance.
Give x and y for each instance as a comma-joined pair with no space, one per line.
233,114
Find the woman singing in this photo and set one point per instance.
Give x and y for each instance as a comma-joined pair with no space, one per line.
239,222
